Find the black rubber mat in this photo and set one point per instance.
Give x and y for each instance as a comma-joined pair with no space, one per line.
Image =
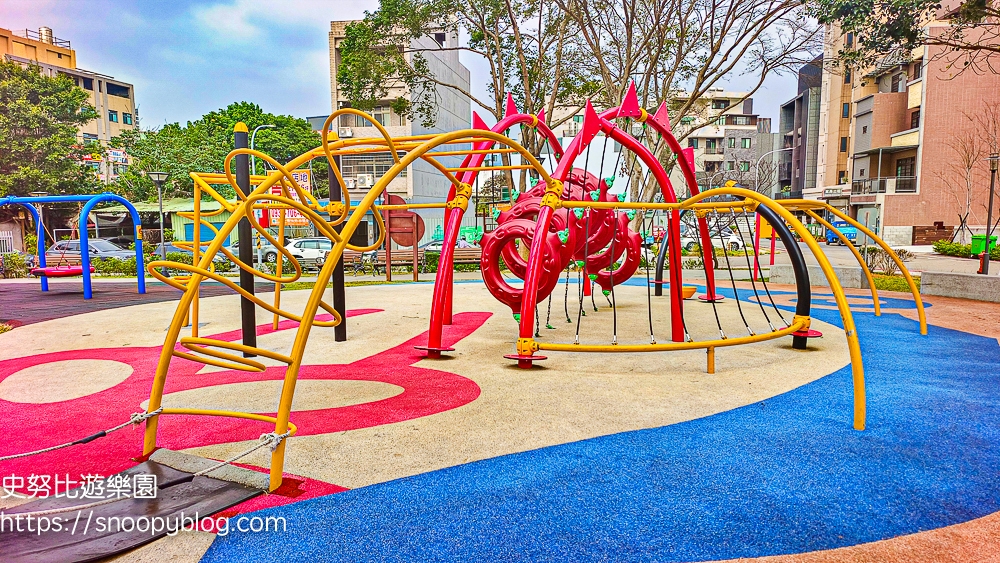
94,533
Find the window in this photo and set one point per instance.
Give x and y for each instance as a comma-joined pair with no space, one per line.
864,129
906,167
112,116
897,82
918,70
440,38
88,83
374,164
740,119
381,114
842,177
732,143
127,118
117,90
712,167
850,39
861,173
693,143
845,111
915,119
843,144
577,119
720,104
745,142
847,77
730,165
89,139
744,165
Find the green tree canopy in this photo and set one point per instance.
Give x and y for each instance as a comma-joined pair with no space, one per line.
39,118
202,146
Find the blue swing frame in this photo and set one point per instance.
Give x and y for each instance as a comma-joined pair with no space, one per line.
89,202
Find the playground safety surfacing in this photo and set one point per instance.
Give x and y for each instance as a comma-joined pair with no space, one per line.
597,457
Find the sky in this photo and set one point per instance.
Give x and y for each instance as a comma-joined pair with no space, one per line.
187,58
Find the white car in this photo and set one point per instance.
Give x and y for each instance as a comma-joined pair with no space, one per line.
310,252
690,240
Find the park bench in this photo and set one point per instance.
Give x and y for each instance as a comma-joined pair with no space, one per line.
400,257
467,255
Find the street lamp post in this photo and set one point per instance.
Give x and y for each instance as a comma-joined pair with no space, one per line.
994,161
756,170
253,161
158,178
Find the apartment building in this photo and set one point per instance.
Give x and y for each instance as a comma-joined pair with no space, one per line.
421,182
723,133
113,99
833,177
799,128
889,136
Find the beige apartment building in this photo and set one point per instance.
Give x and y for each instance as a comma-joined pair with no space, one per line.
889,150
113,99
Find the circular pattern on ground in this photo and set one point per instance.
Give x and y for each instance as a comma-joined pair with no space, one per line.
48,383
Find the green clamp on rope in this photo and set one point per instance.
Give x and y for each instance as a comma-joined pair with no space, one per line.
610,181
550,327
517,317
593,277
630,214
514,194
496,214
606,292
563,235
579,263
578,212
621,196
595,195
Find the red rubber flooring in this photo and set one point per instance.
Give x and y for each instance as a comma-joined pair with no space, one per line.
22,304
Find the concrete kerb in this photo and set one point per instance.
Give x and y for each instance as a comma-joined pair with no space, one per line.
849,276
963,286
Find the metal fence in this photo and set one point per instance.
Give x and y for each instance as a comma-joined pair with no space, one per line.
6,242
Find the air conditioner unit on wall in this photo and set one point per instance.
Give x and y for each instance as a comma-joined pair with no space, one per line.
345,132
365,180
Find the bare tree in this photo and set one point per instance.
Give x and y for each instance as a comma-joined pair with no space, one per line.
677,50
967,152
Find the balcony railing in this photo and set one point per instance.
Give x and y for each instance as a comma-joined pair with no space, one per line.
714,150
890,185
785,172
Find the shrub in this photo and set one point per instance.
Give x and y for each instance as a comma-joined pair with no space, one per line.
949,248
879,260
894,283
14,265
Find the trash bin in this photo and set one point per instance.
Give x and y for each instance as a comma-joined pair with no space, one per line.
979,243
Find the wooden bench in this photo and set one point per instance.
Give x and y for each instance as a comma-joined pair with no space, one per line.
353,261
400,257
467,255
54,259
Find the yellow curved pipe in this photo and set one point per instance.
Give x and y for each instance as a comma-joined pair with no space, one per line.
895,258
857,256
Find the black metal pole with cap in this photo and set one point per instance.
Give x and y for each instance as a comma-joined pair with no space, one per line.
248,310
993,159
339,297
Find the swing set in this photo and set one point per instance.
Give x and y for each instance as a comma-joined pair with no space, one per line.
85,268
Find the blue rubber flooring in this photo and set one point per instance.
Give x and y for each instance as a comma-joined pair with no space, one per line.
785,475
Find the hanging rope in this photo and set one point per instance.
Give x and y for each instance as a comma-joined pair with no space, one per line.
753,282
732,279
645,258
135,418
770,298
611,277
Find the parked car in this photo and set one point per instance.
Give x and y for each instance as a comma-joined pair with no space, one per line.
846,229
310,252
122,241
690,240
267,250
99,249
220,258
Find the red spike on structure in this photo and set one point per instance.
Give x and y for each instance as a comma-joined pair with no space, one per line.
630,104
541,116
511,106
689,156
591,125
663,117
478,123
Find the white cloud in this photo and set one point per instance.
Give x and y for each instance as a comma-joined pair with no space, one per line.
239,21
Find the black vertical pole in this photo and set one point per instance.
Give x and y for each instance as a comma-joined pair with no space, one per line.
339,299
247,308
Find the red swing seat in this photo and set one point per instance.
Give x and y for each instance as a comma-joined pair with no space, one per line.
59,271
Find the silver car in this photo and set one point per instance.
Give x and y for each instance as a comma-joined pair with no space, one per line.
99,249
